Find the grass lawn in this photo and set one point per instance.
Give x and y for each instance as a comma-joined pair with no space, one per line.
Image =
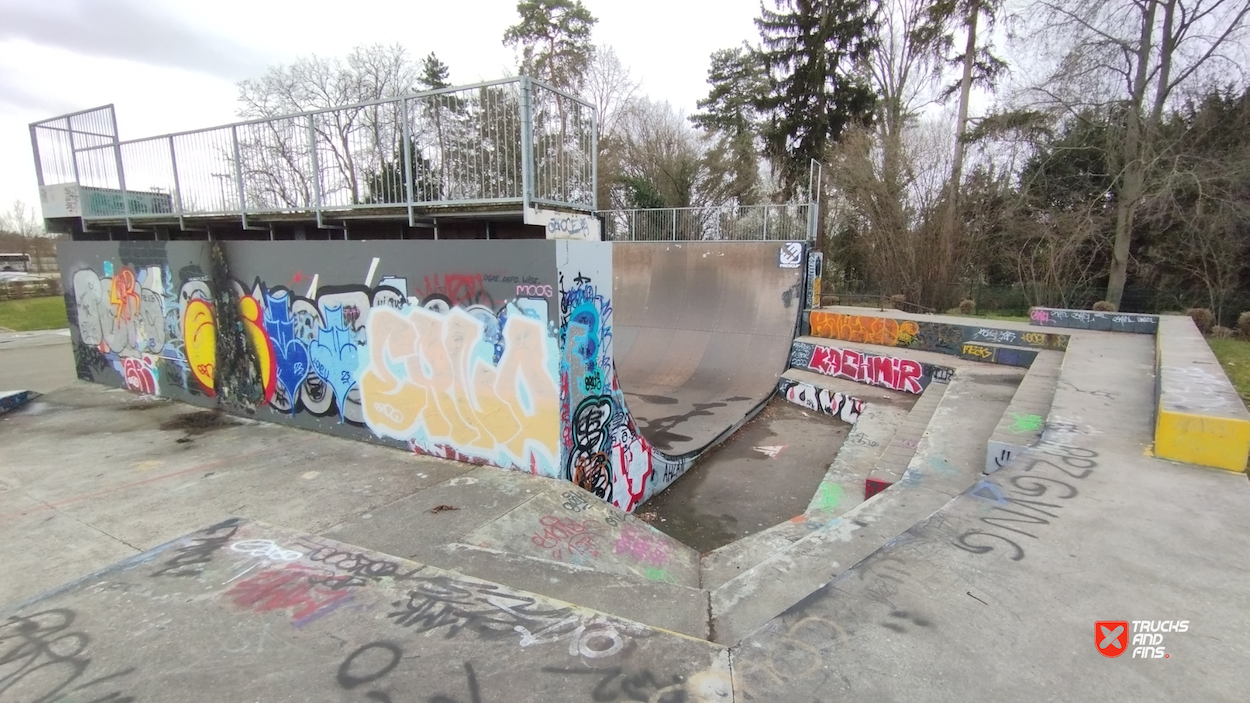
995,316
1234,356
33,314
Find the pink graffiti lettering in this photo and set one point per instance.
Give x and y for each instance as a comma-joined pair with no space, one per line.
886,371
643,547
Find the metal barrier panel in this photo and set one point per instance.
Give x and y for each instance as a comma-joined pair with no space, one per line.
514,141
785,222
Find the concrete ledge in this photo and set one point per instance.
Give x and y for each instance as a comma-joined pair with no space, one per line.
805,391
1091,320
891,372
1200,419
997,354
937,333
1025,419
12,400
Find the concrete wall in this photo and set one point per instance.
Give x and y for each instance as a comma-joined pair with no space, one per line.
605,452
1090,320
890,372
448,348
1200,418
944,338
494,352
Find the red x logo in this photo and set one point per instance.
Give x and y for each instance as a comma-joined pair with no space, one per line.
1111,637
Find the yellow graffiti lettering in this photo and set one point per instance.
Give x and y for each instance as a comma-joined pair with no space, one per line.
199,330
977,350
423,376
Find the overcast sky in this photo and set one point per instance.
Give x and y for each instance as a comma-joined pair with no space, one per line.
171,65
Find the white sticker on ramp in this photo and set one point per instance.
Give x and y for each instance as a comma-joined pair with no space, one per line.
790,255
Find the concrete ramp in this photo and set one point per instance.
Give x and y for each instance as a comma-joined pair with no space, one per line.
702,333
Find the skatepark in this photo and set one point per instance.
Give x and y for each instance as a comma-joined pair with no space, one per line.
419,470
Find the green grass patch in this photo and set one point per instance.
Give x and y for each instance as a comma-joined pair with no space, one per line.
33,314
1234,356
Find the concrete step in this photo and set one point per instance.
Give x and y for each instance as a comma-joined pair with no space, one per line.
835,397
946,462
1024,420
875,369
548,537
1005,354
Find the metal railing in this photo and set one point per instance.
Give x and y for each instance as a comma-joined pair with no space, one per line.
720,223
508,141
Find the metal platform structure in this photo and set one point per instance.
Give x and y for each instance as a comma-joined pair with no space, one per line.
505,149
510,158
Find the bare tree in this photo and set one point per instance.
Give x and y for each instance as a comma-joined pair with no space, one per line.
357,139
612,90
1133,58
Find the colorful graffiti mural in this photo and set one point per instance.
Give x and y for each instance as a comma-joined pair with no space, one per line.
822,400
452,365
447,372
604,452
941,337
873,369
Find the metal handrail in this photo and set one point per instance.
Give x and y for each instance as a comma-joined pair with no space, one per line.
487,151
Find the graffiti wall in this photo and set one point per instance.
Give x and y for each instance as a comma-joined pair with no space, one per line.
448,348
602,449
822,400
493,352
873,369
944,338
1089,320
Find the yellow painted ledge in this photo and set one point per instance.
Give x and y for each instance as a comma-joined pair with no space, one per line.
1220,442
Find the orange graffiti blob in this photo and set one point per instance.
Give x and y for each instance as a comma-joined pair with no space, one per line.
862,328
124,297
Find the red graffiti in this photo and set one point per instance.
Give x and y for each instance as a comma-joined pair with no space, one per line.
140,375
890,372
311,593
458,289
567,537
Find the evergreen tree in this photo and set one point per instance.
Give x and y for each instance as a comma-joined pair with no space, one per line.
434,73
554,39
811,49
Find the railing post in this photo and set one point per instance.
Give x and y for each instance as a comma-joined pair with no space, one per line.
34,145
312,149
238,174
674,224
765,237
527,143
121,171
407,140
594,160
173,162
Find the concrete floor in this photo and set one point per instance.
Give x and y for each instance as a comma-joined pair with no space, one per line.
35,361
766,473
994,597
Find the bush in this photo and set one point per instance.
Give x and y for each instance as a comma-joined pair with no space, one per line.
967,306
1243,324
1220,332
897,300
1203,318
1103,306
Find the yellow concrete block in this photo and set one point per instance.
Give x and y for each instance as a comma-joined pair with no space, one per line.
1220,442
